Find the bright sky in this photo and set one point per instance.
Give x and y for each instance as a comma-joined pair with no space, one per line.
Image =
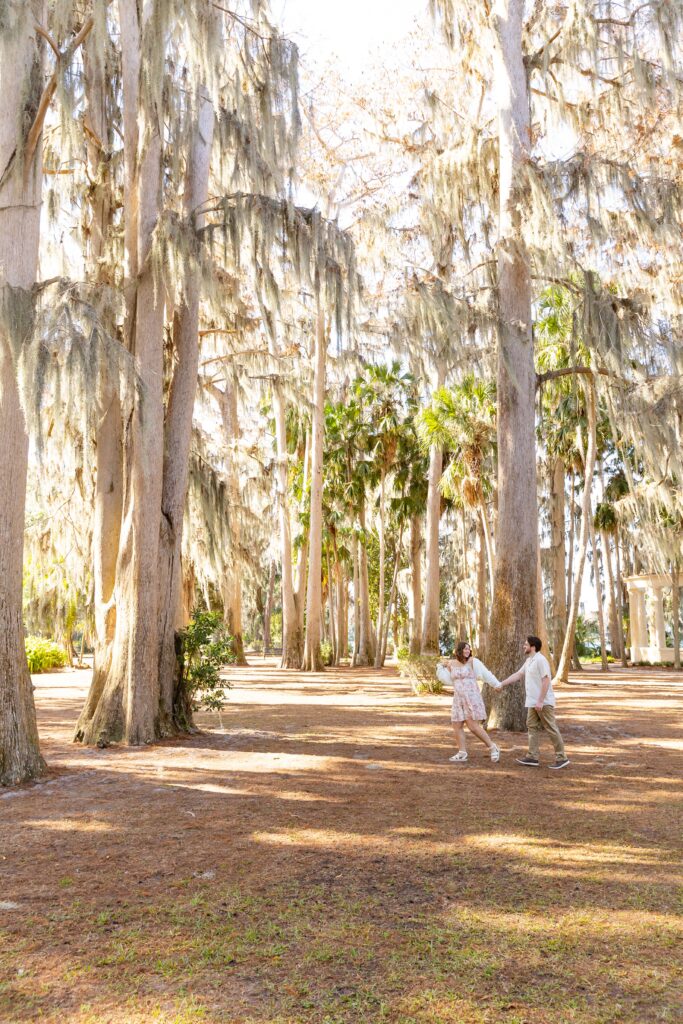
354,30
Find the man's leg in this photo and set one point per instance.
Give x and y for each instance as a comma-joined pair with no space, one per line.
534,726
548,723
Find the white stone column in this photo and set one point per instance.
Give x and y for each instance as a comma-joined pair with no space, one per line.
658,617
636,600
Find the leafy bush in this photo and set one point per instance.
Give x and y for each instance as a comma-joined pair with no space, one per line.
420,671
205,648
42,654
587,637
326,652
403,652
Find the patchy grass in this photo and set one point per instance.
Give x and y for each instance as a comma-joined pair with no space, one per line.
315,860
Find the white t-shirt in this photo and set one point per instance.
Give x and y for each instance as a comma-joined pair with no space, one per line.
535,668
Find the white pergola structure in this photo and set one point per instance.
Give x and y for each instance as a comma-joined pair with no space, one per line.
646,603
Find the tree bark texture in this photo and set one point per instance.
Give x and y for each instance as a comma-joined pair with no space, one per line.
129,703
21,64
175,713
514,606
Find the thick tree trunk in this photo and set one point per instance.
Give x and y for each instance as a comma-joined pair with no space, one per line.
558,614
514,606
415,604
312,661
562,674
97,213
430,623
175,710
20,197
128,706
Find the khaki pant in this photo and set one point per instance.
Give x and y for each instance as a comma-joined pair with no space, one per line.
543,721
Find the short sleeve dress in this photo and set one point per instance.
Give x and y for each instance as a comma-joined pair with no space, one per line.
467,700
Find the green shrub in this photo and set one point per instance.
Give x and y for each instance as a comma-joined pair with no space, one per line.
420,671
42,654
403,652
205,648
326,652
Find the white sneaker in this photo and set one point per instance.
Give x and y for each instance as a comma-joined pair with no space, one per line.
459,757
495,754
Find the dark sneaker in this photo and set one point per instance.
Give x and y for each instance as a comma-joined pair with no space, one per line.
532,762
562,762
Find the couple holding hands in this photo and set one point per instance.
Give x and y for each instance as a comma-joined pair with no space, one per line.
462,673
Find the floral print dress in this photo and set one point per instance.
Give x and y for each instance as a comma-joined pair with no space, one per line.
467,700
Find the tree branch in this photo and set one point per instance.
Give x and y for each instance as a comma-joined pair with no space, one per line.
49,91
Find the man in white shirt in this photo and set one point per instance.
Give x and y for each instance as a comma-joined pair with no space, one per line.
540,703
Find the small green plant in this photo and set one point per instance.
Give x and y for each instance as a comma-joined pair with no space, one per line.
326,652
420,671
402,652
205,648
42,654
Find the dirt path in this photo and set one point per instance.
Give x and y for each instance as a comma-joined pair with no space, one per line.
312,857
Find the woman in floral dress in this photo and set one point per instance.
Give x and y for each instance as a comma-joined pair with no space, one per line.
468,706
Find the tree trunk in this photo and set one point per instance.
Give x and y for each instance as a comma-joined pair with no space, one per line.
430,623
268,610
382,555
128,706
415,609
598,587
379,662
562,674
232,585
514,605
292,636
482,588
20,196
312,661
613,617
109,436
540,614
558,614
366,647
620,602
676,615
356,603
175,710
488,541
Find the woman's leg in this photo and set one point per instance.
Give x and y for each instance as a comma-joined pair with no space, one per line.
460,735
480,732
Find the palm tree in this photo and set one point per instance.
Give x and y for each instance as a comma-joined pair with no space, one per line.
461,422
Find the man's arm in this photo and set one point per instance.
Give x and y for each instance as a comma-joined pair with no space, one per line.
514,678
545,683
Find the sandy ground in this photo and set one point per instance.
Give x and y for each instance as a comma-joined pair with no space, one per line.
312,856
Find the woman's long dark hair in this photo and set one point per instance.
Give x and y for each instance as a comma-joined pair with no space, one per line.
459,649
